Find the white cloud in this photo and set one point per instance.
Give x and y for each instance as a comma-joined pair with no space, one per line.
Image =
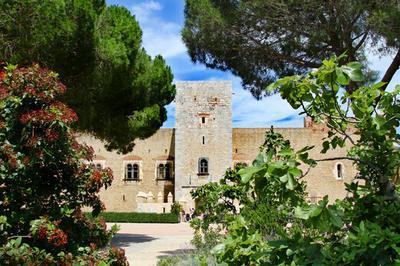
143,10
159,36
272,110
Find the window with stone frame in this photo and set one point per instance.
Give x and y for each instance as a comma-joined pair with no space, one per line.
339,171
132,172
98,164
203,166
164,170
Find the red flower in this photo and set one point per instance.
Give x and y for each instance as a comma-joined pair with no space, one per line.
42,233
2,75
58,238
52,135
30,90
25,160
96,176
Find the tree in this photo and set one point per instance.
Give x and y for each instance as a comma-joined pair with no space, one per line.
261,41
117,90
44,180
276,225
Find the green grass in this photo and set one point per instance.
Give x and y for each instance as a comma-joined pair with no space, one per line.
138,217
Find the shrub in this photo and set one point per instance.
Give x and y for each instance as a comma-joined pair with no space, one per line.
44,180
176,208
138,217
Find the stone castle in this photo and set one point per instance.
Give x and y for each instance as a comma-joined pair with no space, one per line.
167,166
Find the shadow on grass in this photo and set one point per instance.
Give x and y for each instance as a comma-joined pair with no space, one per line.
124,240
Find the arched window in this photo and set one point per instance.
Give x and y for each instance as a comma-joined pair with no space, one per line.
97,165
160,170
203,166
339,171
164,171
132,171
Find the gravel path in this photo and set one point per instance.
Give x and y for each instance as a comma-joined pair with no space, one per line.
144,244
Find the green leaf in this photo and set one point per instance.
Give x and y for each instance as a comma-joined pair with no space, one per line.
248,172
218,249
284,178
325,146
18,241
307,212
289,252
341,77
296,172
291,184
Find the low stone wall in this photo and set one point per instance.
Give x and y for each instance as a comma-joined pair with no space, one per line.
154,207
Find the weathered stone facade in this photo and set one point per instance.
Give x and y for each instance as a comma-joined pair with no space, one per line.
203,132
202,146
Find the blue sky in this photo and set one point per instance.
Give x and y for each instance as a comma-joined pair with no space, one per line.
161,22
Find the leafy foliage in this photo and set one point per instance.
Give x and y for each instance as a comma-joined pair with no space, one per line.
117,90
44,180
261,40
276,226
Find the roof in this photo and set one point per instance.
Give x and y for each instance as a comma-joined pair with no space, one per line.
132,158
98,157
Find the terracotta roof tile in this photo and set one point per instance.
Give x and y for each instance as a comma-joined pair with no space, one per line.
132,158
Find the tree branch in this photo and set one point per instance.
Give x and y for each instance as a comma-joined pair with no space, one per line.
338,158
394,66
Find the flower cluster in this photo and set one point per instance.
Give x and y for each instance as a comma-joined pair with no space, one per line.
58,238
9,155
85,151
118,254
44,83
41,116
66,114
53,236
56,111
52,135
3,75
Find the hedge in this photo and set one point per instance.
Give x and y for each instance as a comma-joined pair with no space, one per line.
138,217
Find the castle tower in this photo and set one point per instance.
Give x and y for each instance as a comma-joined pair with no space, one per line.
203,136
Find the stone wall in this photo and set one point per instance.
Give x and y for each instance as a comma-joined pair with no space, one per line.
321,180
121,196
203,130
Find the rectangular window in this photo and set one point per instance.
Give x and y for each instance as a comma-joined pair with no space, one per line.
132,172
203,120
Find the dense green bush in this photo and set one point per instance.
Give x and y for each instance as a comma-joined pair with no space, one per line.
138,217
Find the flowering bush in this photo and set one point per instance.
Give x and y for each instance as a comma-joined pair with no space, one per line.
44,177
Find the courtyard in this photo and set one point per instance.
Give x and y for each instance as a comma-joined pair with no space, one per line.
145,244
